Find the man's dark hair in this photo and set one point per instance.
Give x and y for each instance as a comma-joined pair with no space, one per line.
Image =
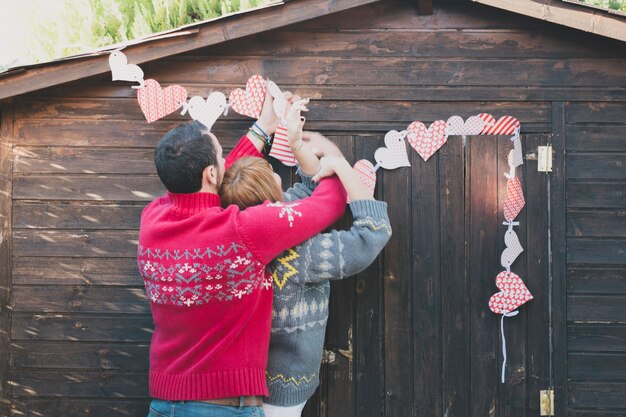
182,155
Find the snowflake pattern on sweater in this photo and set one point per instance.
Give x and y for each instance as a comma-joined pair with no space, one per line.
182,278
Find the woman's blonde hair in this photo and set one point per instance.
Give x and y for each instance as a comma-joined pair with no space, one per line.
248,182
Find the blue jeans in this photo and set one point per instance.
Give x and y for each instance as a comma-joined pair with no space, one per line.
161,408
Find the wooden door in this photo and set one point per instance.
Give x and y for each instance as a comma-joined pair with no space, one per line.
413,335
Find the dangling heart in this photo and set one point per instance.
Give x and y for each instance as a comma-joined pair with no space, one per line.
427,142
515,155
513,249
280,103
506,125
366,173
249,102
394,154
281,149
514,199
122,70
472,126
156,102
206,112
513,293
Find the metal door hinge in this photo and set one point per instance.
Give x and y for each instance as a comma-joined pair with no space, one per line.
544,158
546,402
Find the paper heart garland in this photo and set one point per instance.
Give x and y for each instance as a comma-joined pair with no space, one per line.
121,70
506,125
281,149
280,103
513,293
514,199
513,249
366,172
427,141
249,102
206,111
156,102
472,126
393,155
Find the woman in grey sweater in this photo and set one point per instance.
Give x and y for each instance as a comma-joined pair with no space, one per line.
301,275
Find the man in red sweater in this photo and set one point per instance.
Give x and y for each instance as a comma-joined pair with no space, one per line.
204,272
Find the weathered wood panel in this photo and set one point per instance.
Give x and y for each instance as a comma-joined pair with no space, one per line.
75,243
93,407
597,395
595,195
80,299
596,113
86,328
602,138
79,215
596,281
75,271
596,166
596,338
68,384
79,355
603,308
597,366
592,251
596,223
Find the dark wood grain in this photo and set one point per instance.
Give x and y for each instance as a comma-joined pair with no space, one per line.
596,223
597,308
597,366
596,281
93,407
596,195
597,395
81,215
596,251
596,113
75,243
596,166
602,138
596,338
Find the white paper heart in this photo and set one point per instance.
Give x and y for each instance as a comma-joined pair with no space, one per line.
206,111
121,70
513,249
472,126
393,155
515,155
280,103
366,173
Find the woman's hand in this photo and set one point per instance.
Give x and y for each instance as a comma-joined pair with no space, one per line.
295,121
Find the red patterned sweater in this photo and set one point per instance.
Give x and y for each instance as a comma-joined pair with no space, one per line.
211,299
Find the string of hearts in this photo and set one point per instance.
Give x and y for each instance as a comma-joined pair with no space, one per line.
156,102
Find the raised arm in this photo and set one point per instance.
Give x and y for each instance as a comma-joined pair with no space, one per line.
330,165
270,228
337,254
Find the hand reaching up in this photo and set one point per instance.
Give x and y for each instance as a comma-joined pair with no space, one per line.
295,121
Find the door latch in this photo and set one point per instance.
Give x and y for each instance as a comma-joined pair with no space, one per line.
546,402
544,158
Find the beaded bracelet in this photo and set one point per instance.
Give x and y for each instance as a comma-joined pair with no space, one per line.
268,139
266,144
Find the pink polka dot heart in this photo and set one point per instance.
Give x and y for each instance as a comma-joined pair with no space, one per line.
364,169
249,102
513,293
157,102
427,141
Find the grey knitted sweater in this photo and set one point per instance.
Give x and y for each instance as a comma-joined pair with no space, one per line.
301,292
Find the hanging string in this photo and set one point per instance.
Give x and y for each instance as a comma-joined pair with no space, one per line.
504,314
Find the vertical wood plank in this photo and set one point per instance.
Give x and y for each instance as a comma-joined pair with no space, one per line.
455,328
537,310
340,383
397,298
426,287
6,175
512,394
559,255
368,347
484,265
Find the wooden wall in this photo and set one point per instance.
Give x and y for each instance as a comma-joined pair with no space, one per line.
413,334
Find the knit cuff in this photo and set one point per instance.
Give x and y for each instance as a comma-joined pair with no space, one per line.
307,180
369,208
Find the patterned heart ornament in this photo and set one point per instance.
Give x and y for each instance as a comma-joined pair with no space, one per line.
206,111
427,141
364,169
281,149
513,293
249,102
506,125
472,126
122,70
393,155
156,102
514,199
513,249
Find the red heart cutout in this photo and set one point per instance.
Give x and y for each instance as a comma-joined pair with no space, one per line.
513,293
249,102
427,142
156,102
514,199
506,125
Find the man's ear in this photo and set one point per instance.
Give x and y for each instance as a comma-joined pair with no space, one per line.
209,175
